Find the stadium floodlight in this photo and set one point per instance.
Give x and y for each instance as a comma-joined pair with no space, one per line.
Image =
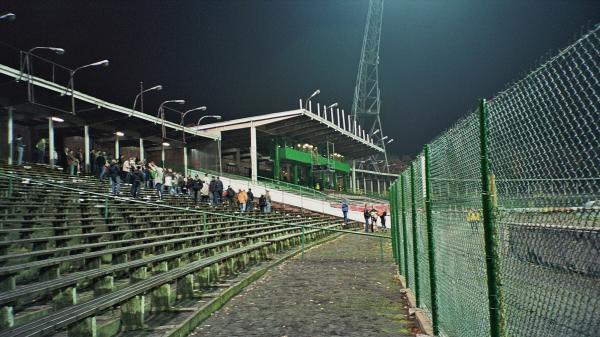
375,132
217,117
384,138
8,17
311,97
332,106
120,133
57,119
156,87
391,140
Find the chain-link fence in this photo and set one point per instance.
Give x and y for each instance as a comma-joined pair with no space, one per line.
497,223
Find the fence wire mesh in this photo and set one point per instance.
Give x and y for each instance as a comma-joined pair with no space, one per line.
543,145
410,257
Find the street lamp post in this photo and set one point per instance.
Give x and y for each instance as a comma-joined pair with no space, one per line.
185,158
311,97
140,95
103,63
28,67
161,115
217,117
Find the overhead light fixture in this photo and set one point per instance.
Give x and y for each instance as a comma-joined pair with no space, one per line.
391,140
166,144
384,138
375,132
332,106
57,119
8,17
119,133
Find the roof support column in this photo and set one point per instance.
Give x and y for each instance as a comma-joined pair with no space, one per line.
364,184
371,183
141,149
253,155
162,155
353,182
276,161
10,135
50,143
117,154
185,161
378,186
86,147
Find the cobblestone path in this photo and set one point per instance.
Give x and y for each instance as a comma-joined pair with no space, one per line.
340,288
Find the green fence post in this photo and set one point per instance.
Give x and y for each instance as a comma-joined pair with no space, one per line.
10,187
204,225
302,242
381,249
431,245
490,232
414,233
404,231
393,221
106,209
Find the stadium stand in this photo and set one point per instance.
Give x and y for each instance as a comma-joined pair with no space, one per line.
71,255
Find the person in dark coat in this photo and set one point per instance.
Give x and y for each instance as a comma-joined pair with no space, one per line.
114,172
136,179
196,186
250,202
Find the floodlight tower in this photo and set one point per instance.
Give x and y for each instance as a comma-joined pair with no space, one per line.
367,102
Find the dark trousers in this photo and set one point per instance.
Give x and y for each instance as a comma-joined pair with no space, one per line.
135,189
195,196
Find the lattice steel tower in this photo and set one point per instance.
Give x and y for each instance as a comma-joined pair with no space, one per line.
367,102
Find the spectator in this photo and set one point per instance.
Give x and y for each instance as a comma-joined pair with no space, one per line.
219,189
126,171
20,148
113,173
169,181
100,162
196,185
345,210
204,192
250,202
373,217
136,180
382,217
158,177
262,203
230,195
267,202
40,148
366,215
180,183
72,161
242,198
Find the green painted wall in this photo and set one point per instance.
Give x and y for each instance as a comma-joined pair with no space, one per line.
287,153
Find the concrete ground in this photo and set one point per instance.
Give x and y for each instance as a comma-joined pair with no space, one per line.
340,288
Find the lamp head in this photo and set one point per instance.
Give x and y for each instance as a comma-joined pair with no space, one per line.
166,144
332,106
179,101
8,17
156,87
103,63
119,133
58,51
57,119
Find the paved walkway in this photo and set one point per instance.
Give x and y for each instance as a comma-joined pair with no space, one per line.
340,289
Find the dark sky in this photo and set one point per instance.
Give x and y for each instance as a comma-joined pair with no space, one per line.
243,58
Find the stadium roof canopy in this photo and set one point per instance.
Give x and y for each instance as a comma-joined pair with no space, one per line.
301,126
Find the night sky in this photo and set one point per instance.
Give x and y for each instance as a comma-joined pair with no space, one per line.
242,58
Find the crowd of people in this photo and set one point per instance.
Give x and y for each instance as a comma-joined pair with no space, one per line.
139,174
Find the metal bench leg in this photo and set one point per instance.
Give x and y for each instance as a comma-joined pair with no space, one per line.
65,298
132,314
185,286
7,318
84,328
104,285
161,298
